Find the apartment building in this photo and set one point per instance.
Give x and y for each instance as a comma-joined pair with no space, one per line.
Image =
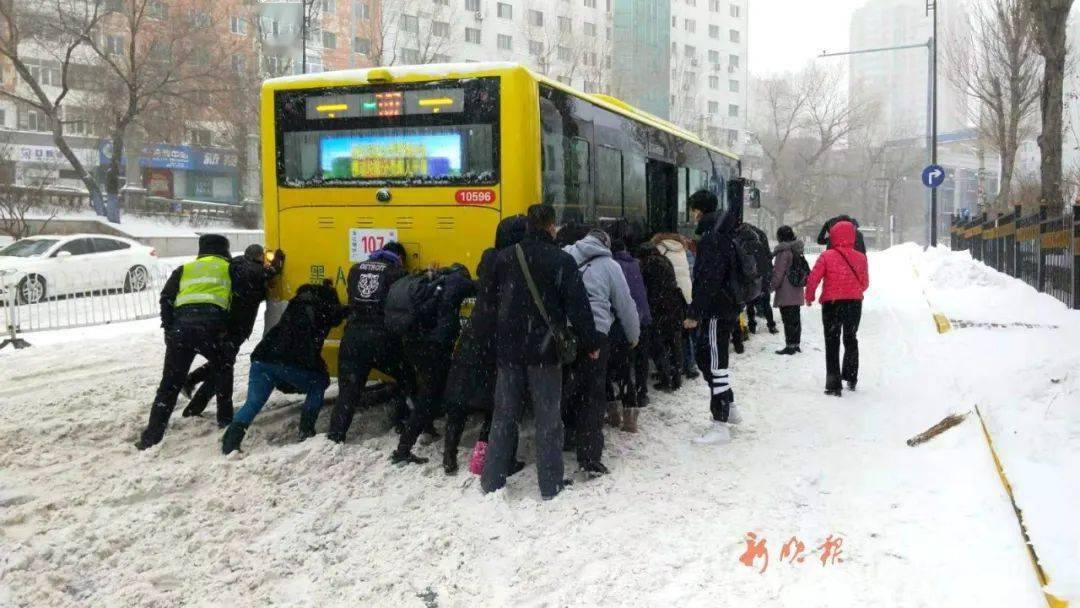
181,147
709,86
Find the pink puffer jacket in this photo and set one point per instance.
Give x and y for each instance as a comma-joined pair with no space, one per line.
844,271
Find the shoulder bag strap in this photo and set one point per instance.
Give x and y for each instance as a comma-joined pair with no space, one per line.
532,285
857,277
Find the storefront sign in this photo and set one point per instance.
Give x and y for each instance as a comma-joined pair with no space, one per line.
187,158
48,155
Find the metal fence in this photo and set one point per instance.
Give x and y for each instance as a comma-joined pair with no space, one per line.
43,301
1042,249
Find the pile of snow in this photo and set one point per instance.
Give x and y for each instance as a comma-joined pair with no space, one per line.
958,270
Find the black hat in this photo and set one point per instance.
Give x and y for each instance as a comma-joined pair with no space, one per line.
254,252
213,244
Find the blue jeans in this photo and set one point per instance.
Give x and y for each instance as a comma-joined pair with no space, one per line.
265,376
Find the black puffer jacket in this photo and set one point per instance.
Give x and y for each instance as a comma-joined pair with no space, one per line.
713,266
522,336
471,382
297,340
665,300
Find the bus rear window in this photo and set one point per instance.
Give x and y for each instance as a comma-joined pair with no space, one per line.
433,134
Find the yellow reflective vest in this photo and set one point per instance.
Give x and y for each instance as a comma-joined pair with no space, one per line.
205,281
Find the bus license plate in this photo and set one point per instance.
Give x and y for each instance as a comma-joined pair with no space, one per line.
365,241
475,197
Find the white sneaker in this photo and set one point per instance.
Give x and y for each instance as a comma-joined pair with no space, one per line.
718,434
734,416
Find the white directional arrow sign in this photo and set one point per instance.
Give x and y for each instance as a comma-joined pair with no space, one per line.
933,176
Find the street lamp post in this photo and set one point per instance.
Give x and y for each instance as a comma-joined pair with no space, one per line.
931,110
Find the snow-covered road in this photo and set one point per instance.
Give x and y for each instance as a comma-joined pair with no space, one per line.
87,520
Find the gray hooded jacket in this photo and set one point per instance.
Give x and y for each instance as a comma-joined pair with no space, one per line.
607,288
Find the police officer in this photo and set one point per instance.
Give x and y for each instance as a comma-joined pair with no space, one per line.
194,313
250,279
367,344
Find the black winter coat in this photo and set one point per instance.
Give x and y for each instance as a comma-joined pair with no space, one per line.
297,340
471,383
823,236
713,266
249,282
665,300
455,287
522,336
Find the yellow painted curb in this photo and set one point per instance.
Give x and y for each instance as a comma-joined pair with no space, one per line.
1051,600
942,322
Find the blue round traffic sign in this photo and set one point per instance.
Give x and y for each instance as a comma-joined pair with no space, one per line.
933,176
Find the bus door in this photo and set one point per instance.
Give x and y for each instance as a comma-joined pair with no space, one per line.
662,192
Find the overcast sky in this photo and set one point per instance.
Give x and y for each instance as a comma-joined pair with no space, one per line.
785,34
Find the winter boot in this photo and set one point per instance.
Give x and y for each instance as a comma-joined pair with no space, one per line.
630,416
515,467
450,446
789,350
307,423
614,415
593,470
234,435
773,330
643,397
832,386
406,458
718,434
155,428
691,373
851,384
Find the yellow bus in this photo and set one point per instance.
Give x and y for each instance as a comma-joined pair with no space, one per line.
434,156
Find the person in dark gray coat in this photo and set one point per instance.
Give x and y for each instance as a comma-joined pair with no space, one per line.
789,298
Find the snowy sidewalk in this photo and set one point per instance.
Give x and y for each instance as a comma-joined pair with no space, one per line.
86,520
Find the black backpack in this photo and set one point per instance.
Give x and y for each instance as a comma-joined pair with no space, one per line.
799,271
746,280
412,303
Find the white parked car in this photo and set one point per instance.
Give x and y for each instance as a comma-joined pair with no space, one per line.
46,266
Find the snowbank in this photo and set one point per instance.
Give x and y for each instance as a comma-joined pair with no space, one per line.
1027,384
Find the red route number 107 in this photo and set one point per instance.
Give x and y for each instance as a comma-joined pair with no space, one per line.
371,244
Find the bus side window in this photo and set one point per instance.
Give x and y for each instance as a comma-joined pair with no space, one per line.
609,186
634,187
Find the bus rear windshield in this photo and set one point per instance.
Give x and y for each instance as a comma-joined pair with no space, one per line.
443,133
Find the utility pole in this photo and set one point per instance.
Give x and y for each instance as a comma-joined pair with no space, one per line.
931,126
303,35
931,5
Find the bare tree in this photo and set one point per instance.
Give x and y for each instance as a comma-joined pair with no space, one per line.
23,197
993,61
411,32
799,122
150,62
1050,19
60,29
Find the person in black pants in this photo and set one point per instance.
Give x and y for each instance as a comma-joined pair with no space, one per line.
429,351
367,344
250,280
470,386
846,277
714,309
194,314
761,304
789,297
